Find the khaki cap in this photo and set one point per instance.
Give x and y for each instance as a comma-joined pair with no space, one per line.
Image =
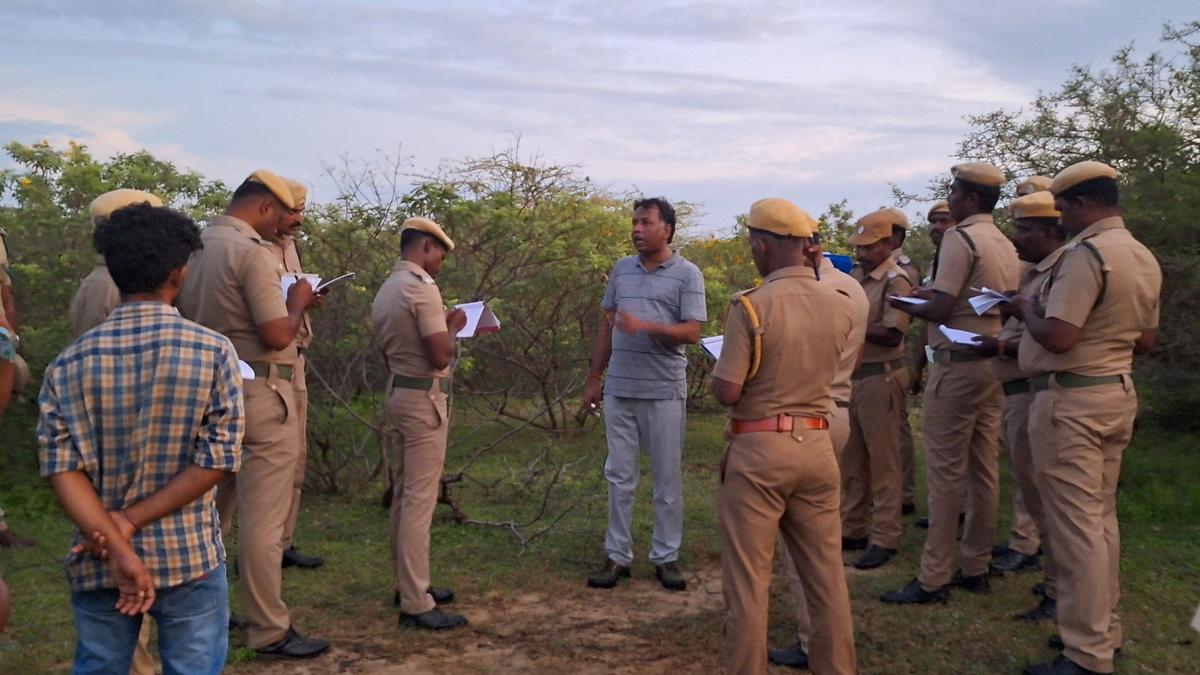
428,227
873,227
1081,172
940,206
299,193
1038,204
782,217
1033,184
277,185
103,206
979,173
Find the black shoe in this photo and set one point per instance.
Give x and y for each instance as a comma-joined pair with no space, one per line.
1060,666
923,522
294,558
1047,610
854,543
908,509
1011,560
913,594
1055,642
608,575
976,584
434,619
670,576
792,657
294,646
235,622
1039,589
875,556
442,596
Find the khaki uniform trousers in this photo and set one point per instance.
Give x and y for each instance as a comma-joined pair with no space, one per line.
300,390
908,458
787,484
962,427
871,504
418,427
1078,438
839,434
260,494
1029,516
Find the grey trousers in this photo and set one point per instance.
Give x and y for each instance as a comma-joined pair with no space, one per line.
656,425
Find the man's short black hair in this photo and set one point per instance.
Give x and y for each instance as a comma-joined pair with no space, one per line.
143,244
988,195
250,189
413,237
1048,224
897,230
1099,191
665,211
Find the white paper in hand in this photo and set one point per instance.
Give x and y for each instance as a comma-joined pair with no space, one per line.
245,369
712,345
480,319
909,300
986,300
288,280
960,337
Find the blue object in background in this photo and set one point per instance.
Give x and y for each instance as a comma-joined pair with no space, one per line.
842,262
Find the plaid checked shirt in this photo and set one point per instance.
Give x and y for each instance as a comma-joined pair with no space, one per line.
132,403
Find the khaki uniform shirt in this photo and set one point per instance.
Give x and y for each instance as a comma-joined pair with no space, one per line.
958,269
290,259
233,287
1130,279
909,268
806,326
855,298
1007,368
407,309
887,279
96,298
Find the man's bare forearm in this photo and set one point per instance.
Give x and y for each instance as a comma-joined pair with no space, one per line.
78,497
187,486
602,347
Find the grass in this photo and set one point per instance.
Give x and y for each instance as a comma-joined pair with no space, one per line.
530,607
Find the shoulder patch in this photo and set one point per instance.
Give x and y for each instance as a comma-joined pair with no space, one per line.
892,274
904,260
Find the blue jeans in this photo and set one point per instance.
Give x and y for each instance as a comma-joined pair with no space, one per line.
193,628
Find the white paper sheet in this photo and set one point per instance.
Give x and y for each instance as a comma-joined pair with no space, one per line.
288,280
909,300
1196,620
480,319
245,369
712,345
986,300
959,337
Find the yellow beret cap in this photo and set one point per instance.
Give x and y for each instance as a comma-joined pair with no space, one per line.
873,227
979,173
277,185
1081,172
780,216
299,193
428,227
1038,204
940,206
104,205
1033,184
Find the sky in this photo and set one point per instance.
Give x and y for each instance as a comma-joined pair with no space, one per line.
714,103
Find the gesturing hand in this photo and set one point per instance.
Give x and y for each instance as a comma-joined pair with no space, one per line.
628,323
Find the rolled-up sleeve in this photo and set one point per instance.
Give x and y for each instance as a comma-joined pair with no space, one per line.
56,450
219,443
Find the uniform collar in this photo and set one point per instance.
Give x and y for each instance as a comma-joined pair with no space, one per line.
225,220
976,219
792,271
883,268
1050,260
409,266
1110,223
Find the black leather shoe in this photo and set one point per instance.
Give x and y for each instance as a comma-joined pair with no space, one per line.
875,556
923,522
1047,610
1011,560
670,576
235,622
854,543
1055,642
908,509
294,558
792,657
1039,589
976,584
1060,666
608,575
294,646
434,619
913,594
442,596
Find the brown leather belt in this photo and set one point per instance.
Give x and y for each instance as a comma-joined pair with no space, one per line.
779,423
